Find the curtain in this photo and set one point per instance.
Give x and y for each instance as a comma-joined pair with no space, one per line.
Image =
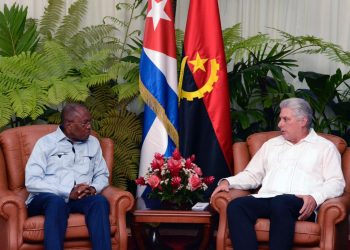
326,19
97,10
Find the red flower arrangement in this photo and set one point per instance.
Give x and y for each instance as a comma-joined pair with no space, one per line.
175,179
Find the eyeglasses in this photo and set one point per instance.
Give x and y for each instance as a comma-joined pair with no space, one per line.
83,124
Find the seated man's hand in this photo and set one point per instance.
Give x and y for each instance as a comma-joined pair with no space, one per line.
81,190
223,186
308,208
92,190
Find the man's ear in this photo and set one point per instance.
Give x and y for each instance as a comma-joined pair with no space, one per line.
304,122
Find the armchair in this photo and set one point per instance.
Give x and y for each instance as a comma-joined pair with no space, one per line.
17,230
330,231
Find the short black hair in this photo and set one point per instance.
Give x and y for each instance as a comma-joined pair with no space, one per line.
69,110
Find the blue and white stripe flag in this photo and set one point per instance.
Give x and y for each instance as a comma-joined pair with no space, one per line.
158,86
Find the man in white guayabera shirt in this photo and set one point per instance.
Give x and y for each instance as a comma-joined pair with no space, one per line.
297,172
65,174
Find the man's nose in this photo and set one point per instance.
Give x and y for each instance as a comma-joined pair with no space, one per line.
279,124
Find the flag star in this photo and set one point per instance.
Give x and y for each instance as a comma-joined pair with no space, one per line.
198,63
157,12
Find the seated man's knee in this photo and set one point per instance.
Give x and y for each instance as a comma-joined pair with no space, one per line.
101,201
285,204
56,204
56,201
235,206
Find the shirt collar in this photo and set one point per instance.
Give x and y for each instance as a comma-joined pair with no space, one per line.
311,137
60,135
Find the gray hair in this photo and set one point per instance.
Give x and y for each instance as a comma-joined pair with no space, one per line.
300,107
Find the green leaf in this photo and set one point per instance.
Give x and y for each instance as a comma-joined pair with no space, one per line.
15,36
5,110
71,22
19,100
51,18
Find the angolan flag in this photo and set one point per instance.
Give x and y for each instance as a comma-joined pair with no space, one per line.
204,115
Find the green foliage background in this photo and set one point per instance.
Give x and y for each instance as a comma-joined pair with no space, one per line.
51,61
258,82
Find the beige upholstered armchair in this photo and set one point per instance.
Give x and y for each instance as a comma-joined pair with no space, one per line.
17,231
331,228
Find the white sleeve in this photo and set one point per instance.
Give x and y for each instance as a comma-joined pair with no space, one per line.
334,182
251,177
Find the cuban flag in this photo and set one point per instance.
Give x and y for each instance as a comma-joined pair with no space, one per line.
158,86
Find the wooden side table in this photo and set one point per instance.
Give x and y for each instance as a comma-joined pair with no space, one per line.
171,216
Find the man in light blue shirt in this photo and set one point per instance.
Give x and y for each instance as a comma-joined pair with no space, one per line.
65,174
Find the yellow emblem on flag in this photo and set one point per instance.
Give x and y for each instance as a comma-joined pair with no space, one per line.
198,63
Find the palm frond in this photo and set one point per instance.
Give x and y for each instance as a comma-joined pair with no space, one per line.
71,22
91,35
58,62
69,88
97,80
19,70
16,36
78,91
238,50
124,128
5,110
127,91
51,19
116,21
128,155
314,45
38,100
100,101
95,63
54,118
124,70
19,99
232,35
58,91
121,125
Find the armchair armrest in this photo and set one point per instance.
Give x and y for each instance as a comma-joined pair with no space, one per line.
332,212
219,202
13,213
120,202
335,209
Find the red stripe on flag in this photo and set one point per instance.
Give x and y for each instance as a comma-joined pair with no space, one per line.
203,38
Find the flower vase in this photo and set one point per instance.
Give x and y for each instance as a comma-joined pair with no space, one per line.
169,205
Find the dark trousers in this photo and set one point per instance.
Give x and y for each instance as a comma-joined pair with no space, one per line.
56,212
282,210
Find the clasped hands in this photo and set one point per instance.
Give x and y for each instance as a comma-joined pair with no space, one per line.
307,209
81,190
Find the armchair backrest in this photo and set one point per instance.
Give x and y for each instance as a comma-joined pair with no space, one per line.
16,145
244,151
